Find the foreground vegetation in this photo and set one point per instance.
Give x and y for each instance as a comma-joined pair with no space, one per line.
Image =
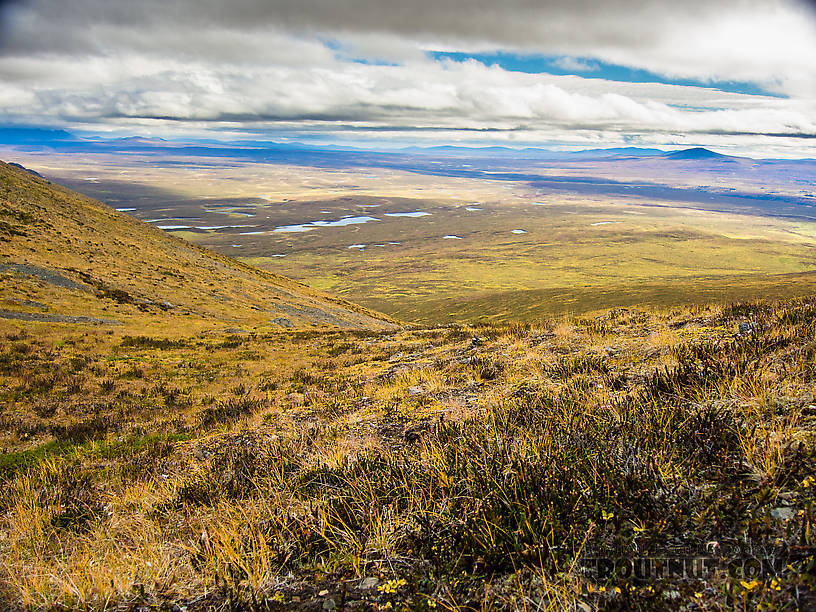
481,467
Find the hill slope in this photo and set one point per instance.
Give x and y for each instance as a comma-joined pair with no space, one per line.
696,154
449,468
67,258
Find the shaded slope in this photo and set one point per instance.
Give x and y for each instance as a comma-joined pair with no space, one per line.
62,254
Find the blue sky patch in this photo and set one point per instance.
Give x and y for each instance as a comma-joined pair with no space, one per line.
592,68
342,53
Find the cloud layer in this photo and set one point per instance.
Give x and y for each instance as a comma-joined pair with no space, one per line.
362,66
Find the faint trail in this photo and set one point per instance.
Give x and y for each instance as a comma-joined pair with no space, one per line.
55,318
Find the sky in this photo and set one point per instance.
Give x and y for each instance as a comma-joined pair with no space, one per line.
737,76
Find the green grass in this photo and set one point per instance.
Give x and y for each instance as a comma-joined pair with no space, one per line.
658,258
533,304
14,463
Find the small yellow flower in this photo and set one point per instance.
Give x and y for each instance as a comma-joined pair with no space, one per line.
775,585
607,515
750,586
391,586
278,597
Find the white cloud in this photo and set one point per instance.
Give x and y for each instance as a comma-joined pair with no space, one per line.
425,93
768,41
292,64
575,64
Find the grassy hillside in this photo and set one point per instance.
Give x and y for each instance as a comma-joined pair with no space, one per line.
63,255
459,467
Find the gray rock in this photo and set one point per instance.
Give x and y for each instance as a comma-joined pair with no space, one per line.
746,328
366,584
415,390
49,276
783,513
329,604
30,303
282,322
327,316
200,453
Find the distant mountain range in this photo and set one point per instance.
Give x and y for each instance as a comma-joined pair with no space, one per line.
60,139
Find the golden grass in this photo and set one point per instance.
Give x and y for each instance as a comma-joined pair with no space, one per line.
271,468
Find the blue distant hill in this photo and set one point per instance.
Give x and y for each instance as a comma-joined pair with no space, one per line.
619,152
20,135
696,154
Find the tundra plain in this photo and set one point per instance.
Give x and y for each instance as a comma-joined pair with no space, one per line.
444,238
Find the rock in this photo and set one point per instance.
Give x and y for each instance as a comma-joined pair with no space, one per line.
165,305
366,584
395,357
475,341
30,303
323,593
200,454
415,390
296,398
746,328
329,604
55,318
283,322
783,513
235,330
